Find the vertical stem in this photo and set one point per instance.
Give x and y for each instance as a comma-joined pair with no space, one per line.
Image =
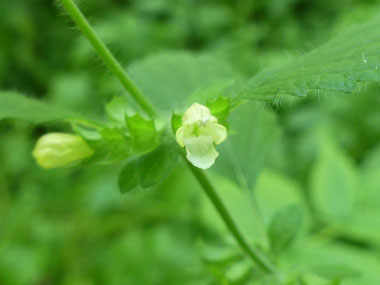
108,57
255,256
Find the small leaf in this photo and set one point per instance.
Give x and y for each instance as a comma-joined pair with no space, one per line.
154,167
116,110
143,133
128,179
219,255
240,272
149,169
283,227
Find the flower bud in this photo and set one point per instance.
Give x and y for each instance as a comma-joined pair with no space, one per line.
199,133
60,150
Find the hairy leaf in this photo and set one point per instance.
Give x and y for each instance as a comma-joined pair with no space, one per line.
338,67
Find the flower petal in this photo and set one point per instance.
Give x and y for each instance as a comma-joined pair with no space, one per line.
184,132
201,151
197,113
180,136
217,131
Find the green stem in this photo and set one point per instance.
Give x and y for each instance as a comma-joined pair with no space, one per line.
107,57
145,104
255,256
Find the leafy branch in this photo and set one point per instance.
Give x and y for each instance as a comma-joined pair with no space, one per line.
144,103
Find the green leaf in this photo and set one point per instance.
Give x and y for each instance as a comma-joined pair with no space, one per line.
275,191
240,272
156,166
150,169
116,110
365,222
220,255
113,146
251,136
337,67
16,106
333,181
143,133
336,271
168,79
128,178
284,227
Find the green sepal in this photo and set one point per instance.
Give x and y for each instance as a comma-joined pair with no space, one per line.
220,108
176,122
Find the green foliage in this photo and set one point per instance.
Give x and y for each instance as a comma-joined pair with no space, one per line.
341,66
143,133
149,169
128,178
169,78
220,107
112,146
16,106
284,227
253,131
333,182
72,226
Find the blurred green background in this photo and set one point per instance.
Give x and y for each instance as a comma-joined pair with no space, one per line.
72,226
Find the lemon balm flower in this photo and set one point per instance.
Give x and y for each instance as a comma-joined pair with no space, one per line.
59,150
198,134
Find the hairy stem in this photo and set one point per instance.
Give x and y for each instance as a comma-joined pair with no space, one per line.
108,57
145,104
255,256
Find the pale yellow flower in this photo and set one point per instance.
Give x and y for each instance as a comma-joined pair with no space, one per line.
198,134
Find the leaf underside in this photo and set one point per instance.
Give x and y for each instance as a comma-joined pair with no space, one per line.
340,66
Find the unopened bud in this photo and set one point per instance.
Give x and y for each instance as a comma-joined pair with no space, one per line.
59,150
